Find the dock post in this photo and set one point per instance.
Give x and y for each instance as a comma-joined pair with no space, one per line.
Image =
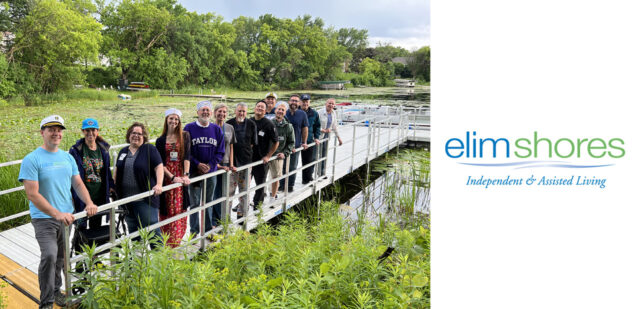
245,204
353,148
112,235
286,183
333,168
202,213
225,192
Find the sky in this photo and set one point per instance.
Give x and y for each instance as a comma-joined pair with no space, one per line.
405,23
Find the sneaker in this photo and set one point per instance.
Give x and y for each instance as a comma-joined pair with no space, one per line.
60,299
290,189
47,306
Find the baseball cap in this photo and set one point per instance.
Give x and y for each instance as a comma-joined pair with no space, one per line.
305,97
271,94
53,120
90,123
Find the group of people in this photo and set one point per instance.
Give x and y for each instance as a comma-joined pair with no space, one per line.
58,183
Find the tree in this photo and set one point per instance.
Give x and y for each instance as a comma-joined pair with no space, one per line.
374,73
355,41
420,63
50,40
12,12
385,52
133,29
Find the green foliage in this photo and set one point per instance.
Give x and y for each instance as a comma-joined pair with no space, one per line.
49,40
374,73
99,76
162,70
7,86
385,52
420,63
3,296
163,44
402,70
133,28
296,264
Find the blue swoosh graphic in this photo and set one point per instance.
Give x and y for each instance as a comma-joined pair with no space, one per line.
536,164
566,166
510,163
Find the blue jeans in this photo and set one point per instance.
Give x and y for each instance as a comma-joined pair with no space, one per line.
195,192
293,164
140,215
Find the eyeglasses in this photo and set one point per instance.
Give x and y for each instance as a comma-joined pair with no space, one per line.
294,100
136,133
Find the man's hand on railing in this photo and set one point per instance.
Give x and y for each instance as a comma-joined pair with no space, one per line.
91,209
317,141
185,180
305,146
265,159
280,156
65,218
157,189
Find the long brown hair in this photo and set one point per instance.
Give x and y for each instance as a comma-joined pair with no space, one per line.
179,144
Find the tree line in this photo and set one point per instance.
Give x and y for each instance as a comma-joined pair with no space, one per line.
50,45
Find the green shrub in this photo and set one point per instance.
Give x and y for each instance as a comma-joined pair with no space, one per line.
296,264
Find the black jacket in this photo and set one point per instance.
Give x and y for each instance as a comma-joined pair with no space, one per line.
76,152
143,169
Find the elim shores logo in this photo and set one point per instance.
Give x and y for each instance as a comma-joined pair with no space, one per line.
541,152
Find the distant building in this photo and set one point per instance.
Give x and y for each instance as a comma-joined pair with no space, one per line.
5,38
402,60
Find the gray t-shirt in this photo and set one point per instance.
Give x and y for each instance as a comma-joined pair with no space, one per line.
229,138
129,184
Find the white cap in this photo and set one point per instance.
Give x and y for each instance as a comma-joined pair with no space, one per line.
53,120
271,94
173,111
202,104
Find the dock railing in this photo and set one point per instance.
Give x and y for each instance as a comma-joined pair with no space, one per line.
372,149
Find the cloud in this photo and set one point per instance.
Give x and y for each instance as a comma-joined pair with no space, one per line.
404,21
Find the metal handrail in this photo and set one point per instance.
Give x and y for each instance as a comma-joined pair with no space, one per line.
226,198
253,164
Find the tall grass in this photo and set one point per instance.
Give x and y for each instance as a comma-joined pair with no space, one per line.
296,264
14,202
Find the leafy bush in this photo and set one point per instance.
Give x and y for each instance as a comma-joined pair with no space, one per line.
295,265
100,76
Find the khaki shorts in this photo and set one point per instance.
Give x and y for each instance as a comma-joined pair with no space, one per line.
275,167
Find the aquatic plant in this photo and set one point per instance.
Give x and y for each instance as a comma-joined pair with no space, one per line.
292,265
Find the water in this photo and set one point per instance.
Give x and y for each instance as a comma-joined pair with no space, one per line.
419,96
382,199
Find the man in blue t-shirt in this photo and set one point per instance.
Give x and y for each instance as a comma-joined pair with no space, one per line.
48,174
300,123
